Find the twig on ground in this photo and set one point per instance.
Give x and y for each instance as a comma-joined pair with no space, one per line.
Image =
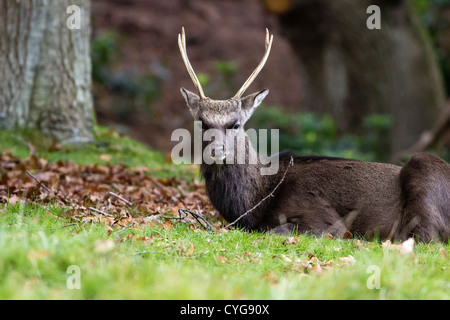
101,212
125,228
66,226
47,190
141,252
120,198
184,213
291,163
197,217
70,225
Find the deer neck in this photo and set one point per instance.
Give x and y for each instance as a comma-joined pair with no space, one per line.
234,188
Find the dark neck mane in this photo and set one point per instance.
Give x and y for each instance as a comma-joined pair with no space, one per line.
233,189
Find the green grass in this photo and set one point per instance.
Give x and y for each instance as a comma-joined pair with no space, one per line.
157,263
154,261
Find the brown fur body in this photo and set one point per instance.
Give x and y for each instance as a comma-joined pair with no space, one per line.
332,195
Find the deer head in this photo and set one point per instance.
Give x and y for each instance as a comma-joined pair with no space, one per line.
225,118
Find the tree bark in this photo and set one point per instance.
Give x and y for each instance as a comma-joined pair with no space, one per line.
45,69
350,71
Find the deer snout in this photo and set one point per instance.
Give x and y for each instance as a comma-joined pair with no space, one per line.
218,152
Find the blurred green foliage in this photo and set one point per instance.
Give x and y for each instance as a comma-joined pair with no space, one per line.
310,134
303,133
307,133
227,70
104,49
132,90
434,14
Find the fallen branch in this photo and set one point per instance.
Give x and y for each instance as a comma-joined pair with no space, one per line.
197,217
126,227
101,212
66,226
120,198
47,190
183,213
141,252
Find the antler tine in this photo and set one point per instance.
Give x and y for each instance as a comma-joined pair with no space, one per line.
248,82
182,46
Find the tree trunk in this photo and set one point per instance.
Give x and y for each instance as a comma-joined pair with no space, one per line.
45,69
351,71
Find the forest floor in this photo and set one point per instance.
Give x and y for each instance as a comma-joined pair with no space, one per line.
99,223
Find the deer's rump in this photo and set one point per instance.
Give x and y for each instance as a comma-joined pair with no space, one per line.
332,195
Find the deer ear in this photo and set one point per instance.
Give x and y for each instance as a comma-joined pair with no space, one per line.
251,102
191,99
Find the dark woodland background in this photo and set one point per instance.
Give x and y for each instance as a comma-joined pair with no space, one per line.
334,84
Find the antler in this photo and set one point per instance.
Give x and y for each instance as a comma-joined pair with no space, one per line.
182,46
248,82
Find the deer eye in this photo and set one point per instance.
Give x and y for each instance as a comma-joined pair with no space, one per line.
236,126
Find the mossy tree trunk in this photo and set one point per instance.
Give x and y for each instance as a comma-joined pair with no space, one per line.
45,68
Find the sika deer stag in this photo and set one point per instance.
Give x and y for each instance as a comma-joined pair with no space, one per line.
316,194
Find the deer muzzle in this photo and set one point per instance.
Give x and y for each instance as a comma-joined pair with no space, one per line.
218,152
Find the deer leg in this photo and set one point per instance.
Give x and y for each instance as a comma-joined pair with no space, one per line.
318,220
425,185
286,229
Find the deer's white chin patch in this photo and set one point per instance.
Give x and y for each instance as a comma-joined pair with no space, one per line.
219,158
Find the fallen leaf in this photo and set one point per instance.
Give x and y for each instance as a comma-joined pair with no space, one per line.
317,268
13,199
291,240
168,225
222,259
130,236
347,235
104,246
38,254
105,157
347,260
388,244
191,250
54,146
270,277
405,247
286,258
443,253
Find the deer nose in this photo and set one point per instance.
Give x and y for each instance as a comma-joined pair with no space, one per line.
218,152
